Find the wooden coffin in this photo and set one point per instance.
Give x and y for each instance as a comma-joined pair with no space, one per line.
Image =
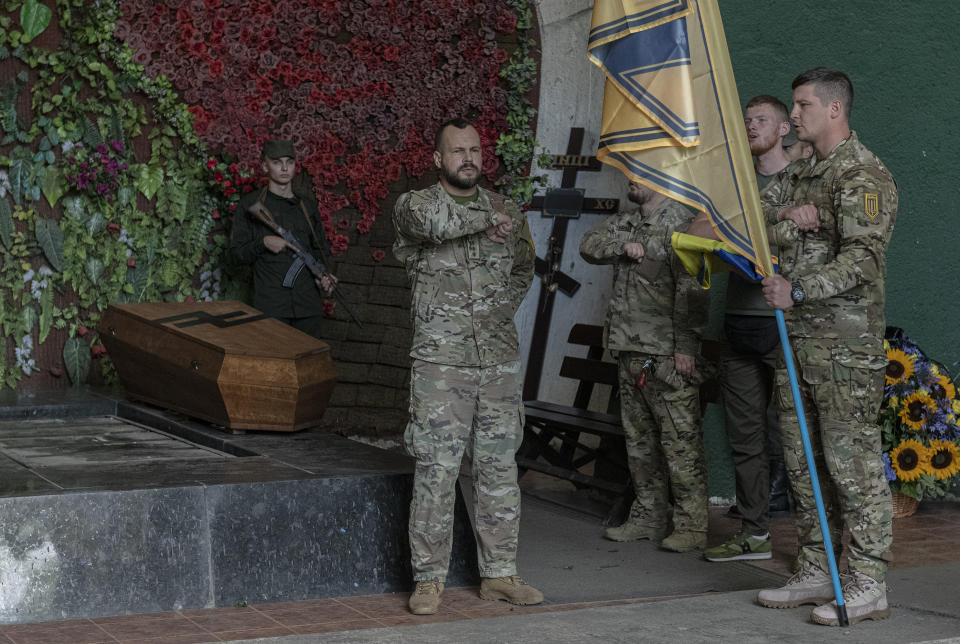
223,362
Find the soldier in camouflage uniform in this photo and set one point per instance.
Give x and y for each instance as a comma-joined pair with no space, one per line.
831,288
655,319
469,255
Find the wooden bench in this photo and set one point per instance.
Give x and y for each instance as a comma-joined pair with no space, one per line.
549,423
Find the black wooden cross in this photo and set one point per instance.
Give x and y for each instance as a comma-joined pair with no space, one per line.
568,206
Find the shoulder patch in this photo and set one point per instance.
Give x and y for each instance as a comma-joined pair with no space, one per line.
525,233
871,204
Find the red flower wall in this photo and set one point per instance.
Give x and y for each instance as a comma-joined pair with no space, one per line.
359,85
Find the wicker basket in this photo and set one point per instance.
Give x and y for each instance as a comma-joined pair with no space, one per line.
903,505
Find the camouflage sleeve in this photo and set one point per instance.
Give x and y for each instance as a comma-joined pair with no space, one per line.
421,218
521,275
776,195
783,234
246,236
603,244
866,207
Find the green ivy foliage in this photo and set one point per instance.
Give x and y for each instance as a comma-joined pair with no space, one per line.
147,235
517,147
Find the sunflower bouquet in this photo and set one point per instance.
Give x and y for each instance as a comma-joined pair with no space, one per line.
919,419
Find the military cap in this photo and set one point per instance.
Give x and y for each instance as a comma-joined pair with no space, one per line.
278,149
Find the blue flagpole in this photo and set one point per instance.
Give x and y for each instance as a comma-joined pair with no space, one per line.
812,467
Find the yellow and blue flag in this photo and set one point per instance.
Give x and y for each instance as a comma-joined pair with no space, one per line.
671,115
702,257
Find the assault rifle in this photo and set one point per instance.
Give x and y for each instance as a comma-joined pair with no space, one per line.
303,257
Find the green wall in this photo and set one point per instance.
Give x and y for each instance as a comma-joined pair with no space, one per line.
902,59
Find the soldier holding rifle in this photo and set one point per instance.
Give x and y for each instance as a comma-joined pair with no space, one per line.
291,296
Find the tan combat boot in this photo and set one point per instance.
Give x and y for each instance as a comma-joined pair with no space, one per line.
630,531
810,585
512,589
685,541
865,598
425,598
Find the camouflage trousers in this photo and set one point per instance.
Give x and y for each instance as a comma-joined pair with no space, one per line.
661,421
453,410
841,386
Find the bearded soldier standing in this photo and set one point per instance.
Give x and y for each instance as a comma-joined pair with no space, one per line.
469,256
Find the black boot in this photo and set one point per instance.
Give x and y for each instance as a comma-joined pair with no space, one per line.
779,488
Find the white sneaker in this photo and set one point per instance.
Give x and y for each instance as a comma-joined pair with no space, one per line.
808,586
864,597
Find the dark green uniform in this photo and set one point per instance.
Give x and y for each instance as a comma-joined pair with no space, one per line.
302,305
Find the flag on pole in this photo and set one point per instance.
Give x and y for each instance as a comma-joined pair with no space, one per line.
702,257
671,115
672,121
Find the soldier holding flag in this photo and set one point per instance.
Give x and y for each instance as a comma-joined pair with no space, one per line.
832,289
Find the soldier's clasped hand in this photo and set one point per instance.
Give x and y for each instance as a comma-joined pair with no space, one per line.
634,250
499,232
805,216
275,244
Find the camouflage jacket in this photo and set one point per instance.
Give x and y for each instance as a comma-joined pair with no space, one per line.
466,288
842,266
656,307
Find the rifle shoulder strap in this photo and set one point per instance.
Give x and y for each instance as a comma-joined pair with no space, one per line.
306,216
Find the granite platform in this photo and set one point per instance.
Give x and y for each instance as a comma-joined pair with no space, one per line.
109,507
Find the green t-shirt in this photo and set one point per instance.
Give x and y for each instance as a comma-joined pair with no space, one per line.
465,200
763,180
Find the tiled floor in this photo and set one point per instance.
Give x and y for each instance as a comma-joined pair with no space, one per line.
932,535
266,620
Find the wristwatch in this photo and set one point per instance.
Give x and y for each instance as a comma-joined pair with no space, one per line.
797,294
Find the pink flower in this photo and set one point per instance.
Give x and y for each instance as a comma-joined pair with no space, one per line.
378,255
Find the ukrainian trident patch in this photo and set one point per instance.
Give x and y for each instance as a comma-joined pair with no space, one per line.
871,205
